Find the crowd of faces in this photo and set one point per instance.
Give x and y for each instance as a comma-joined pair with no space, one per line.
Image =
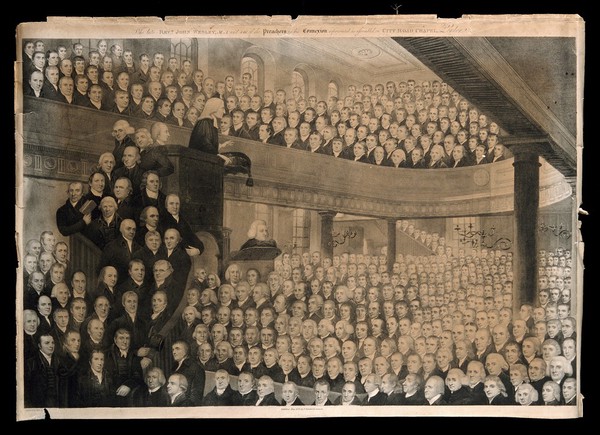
407,123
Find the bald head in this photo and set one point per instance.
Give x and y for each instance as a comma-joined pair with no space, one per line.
433,387
127,229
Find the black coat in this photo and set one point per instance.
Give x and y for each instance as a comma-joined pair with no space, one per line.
80,99
101,233
437,165
181,263
68,218
269,400
228,365
127,210
50,92
117,254
69,370
307,381
30,345
327,403
500,400
296,402
119,149
92,393
142,200
104,290
277,139
478,396
395,399
539,385
149,258
276,373
355,401
181,400
416,399
88,346
188,236
209,366
439,401
378,399
205,137
137,329
41,382
337,383
156,159
247,399
132,376
142,290
174,290
109,182
460,397
31,297
159,398
196,380
134,174
228,398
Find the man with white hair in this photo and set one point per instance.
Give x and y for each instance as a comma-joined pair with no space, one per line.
160,133
176,388
289,394
374,395
222,394
177,256
121,131
151,157
131,168
173,219
434,391
265,389
105,229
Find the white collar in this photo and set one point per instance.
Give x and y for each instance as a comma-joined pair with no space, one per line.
434,398
175,397
373,393
48,358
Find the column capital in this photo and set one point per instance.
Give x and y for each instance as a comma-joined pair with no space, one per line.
327,213
524,151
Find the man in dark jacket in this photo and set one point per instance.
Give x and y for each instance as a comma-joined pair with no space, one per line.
266,392
41,375
375,397
246,394
188,367
222,394
69,218
119,252
124,368
289,394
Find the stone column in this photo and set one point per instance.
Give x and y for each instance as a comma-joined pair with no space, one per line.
391,247
326,233
527,199
226,244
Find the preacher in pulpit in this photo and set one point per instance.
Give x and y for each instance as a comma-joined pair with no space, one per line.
258,246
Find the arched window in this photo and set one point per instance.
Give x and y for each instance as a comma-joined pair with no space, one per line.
249,65
181,49
299,82
332,89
